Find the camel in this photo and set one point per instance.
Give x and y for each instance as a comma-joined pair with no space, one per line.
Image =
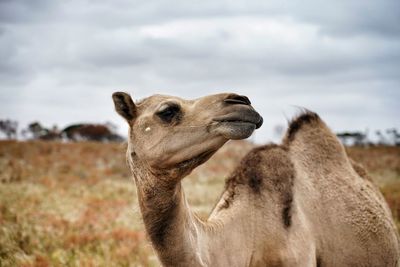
300,203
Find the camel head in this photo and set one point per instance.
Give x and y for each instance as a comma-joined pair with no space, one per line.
167,132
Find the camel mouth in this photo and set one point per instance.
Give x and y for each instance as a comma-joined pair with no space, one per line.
244,118
238,125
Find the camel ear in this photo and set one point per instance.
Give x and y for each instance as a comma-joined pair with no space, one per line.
124,105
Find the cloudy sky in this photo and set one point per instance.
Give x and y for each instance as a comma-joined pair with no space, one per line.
61,60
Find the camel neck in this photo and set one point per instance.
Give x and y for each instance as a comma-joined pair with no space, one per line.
169,222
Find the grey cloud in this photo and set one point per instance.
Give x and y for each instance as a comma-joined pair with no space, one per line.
24,11
339,58
340,17
360,17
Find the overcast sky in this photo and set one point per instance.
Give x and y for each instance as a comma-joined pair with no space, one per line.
60,61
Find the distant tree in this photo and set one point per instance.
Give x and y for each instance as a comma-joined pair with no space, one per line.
394,136
51,134
36,131
90,132
9,128
359,138
382,138
352,138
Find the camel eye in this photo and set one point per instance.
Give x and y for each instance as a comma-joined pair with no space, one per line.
168,112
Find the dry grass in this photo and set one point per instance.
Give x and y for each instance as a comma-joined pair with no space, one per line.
75,205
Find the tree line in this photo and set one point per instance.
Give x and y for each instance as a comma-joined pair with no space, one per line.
74,132
389,137
108,133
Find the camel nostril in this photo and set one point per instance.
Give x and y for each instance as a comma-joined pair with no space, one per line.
237,99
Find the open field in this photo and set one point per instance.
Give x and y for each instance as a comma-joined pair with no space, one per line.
74,204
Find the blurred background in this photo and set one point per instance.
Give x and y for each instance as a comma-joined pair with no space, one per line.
66,197
60,61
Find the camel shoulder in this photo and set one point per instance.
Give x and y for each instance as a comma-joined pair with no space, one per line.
267,166
265,170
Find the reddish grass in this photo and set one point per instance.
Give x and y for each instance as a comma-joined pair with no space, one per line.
74,204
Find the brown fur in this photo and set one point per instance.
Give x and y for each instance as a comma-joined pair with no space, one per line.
266,166
319,262
161,214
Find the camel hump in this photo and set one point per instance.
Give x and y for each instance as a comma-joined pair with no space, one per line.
297,124
309,138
